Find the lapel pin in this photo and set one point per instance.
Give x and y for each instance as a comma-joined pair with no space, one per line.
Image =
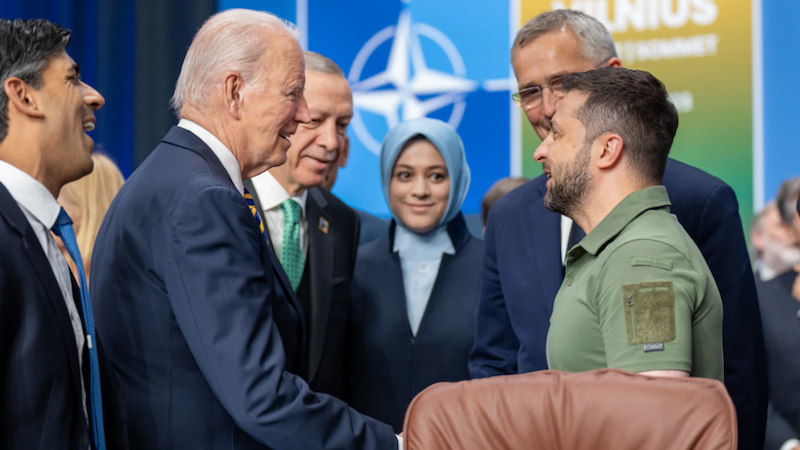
324,226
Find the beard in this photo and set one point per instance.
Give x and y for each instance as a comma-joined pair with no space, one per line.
570,185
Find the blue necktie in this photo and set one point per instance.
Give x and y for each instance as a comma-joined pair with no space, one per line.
63,229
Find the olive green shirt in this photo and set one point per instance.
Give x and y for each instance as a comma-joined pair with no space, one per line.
637,295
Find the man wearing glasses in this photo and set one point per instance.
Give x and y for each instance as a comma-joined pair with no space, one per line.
526,244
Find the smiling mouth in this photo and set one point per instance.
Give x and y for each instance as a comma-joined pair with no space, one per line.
88,126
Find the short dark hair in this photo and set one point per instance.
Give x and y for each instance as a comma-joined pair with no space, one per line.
500,188
26,47
633,104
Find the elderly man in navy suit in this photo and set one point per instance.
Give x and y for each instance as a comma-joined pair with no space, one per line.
526,243
202,324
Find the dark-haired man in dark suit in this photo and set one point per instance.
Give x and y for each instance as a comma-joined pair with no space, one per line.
526,244
57,390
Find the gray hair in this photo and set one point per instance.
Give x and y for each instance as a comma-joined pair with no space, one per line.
229,40
321,64
598,45
786,201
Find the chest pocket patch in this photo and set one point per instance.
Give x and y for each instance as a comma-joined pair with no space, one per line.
649,312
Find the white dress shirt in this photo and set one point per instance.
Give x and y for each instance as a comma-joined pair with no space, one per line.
222,153
41,209
566,228
271,194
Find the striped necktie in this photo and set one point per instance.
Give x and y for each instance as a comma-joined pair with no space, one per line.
63,229
248,197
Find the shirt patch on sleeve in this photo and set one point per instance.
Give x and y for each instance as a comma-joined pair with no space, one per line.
649,312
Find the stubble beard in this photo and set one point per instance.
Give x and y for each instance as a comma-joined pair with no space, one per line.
567,196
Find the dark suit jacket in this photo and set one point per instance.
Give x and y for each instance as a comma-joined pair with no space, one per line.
390,365
523,272
779,311
200,321
40,391
372,227
325,287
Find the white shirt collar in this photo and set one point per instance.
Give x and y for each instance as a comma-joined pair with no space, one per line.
31,194
222,153
271,194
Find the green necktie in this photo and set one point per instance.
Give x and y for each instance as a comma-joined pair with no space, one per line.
292,258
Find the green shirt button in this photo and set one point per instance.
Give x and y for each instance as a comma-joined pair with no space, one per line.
569,281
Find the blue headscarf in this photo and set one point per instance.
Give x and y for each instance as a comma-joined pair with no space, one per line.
449,144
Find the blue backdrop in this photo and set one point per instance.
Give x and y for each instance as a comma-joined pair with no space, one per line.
131,52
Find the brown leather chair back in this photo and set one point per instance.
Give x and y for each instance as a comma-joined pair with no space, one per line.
550,410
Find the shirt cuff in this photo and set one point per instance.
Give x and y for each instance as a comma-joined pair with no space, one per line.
790,444
400,443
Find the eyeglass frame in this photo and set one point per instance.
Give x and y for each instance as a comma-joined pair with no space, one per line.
517,96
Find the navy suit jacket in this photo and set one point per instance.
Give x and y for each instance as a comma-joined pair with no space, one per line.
372,227
781,313
523,272
390,366
200,321
40,390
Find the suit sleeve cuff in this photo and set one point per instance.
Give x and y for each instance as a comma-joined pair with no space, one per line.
400,443
788,445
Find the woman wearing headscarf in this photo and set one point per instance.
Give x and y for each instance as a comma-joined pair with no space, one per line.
415,290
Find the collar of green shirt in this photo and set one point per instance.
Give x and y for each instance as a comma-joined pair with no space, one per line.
624,213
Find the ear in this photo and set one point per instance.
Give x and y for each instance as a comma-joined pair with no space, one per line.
20,96
611,152
345,152
614,62
233,87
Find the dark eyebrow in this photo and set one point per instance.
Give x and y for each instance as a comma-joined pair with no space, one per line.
438,167
76,68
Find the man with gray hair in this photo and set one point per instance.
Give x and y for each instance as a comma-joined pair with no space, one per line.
203,327
526,244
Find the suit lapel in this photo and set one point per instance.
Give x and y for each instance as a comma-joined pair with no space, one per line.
41,265
321,263
546,237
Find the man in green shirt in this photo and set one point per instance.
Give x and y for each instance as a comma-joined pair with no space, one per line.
637,294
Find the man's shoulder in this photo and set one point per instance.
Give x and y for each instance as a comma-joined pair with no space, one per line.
332,202
512,202
687,183
655,233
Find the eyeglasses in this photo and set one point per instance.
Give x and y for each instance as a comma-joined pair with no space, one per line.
531,97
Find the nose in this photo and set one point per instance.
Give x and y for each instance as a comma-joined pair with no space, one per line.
302,115
541,151
328,138
92,98
549,104
419,187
